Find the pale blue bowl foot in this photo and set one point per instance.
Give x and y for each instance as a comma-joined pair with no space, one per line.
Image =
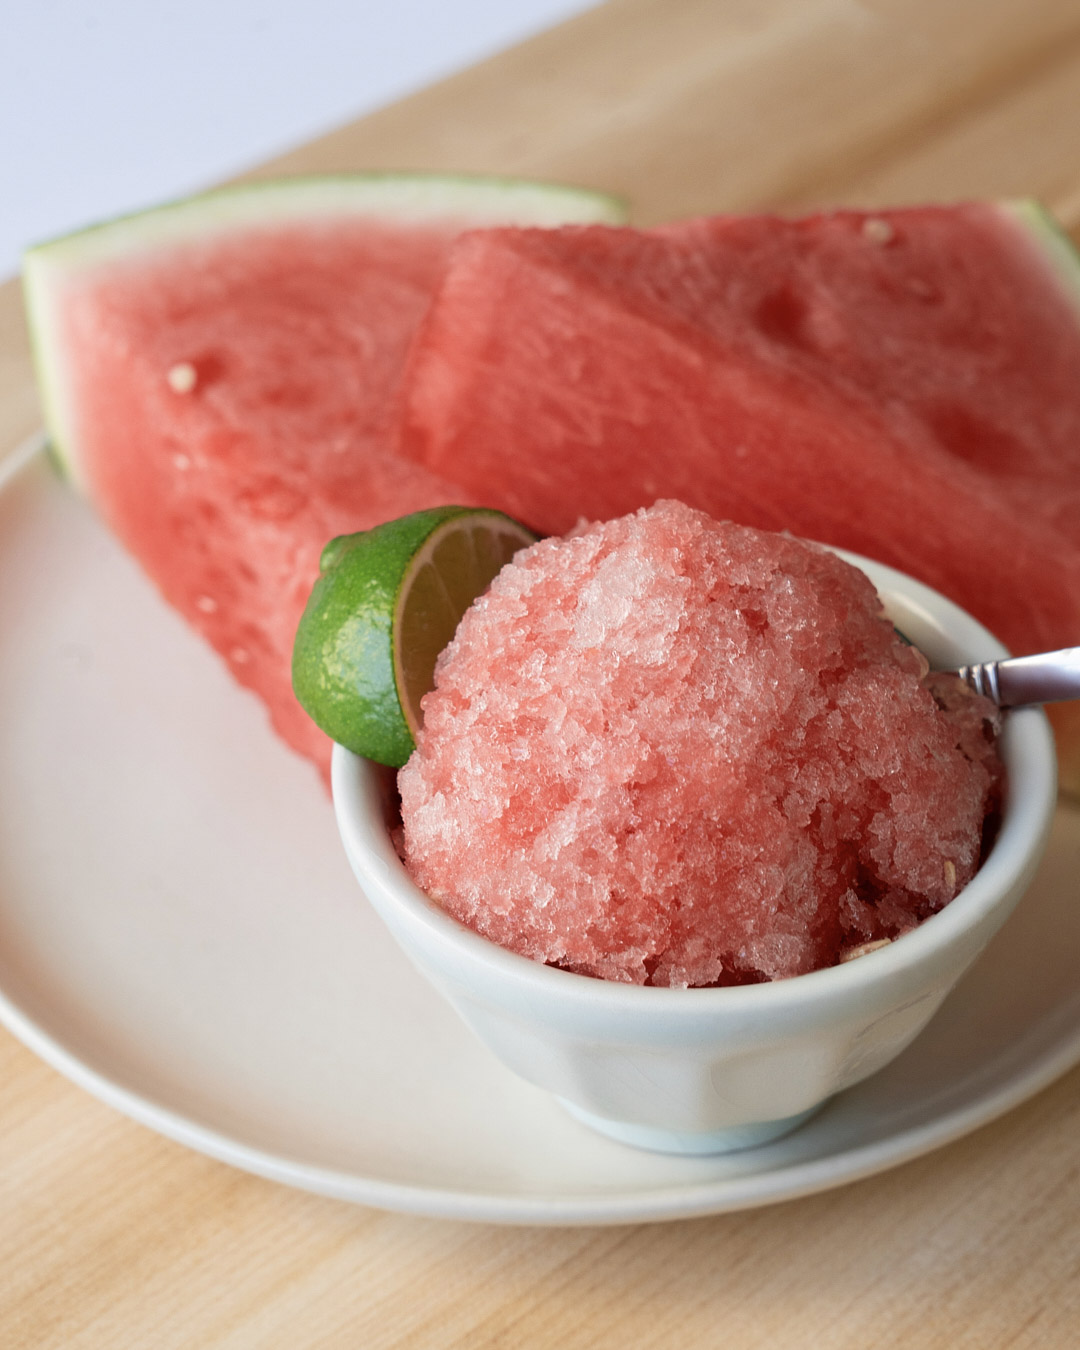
689,1142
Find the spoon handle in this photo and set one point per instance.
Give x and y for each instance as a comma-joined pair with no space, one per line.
1047,677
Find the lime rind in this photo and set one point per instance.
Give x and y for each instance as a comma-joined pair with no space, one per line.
348,661
343,669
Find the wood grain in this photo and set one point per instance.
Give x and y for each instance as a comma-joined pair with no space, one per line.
113,1237
694,106
19,410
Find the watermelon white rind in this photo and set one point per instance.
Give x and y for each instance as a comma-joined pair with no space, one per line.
410,199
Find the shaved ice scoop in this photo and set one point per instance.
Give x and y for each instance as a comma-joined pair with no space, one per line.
1016,681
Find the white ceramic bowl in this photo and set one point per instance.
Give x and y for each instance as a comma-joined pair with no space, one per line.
709,1070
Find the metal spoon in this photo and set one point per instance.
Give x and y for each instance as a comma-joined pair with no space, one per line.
1048,677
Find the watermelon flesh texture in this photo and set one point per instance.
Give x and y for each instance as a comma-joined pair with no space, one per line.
228,492
229,402
905,384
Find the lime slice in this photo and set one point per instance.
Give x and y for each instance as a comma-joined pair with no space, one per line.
386,603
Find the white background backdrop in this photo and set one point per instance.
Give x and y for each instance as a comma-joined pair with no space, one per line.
112,105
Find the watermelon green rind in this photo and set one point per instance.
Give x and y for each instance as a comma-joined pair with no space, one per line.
1051,240
406,198
1061,255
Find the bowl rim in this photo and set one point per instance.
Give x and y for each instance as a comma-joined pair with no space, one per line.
1027,748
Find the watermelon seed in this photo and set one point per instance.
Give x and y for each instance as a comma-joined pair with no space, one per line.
918,287
207,604
183,377
950,873
181,463
850,953
878,231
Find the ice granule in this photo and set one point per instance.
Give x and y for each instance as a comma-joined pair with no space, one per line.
674,751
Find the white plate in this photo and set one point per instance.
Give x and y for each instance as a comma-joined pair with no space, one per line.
180,935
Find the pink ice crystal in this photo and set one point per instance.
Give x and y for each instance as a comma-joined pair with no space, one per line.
673,751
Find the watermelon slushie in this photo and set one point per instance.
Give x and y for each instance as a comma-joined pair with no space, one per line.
668,750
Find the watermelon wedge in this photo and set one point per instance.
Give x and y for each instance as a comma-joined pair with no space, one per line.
904,384
221,376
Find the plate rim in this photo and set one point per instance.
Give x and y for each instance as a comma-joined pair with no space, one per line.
663,1202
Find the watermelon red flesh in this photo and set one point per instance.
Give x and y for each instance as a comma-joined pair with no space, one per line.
910,390
228,493
953,321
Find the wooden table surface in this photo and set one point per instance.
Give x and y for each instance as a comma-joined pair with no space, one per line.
111,1236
